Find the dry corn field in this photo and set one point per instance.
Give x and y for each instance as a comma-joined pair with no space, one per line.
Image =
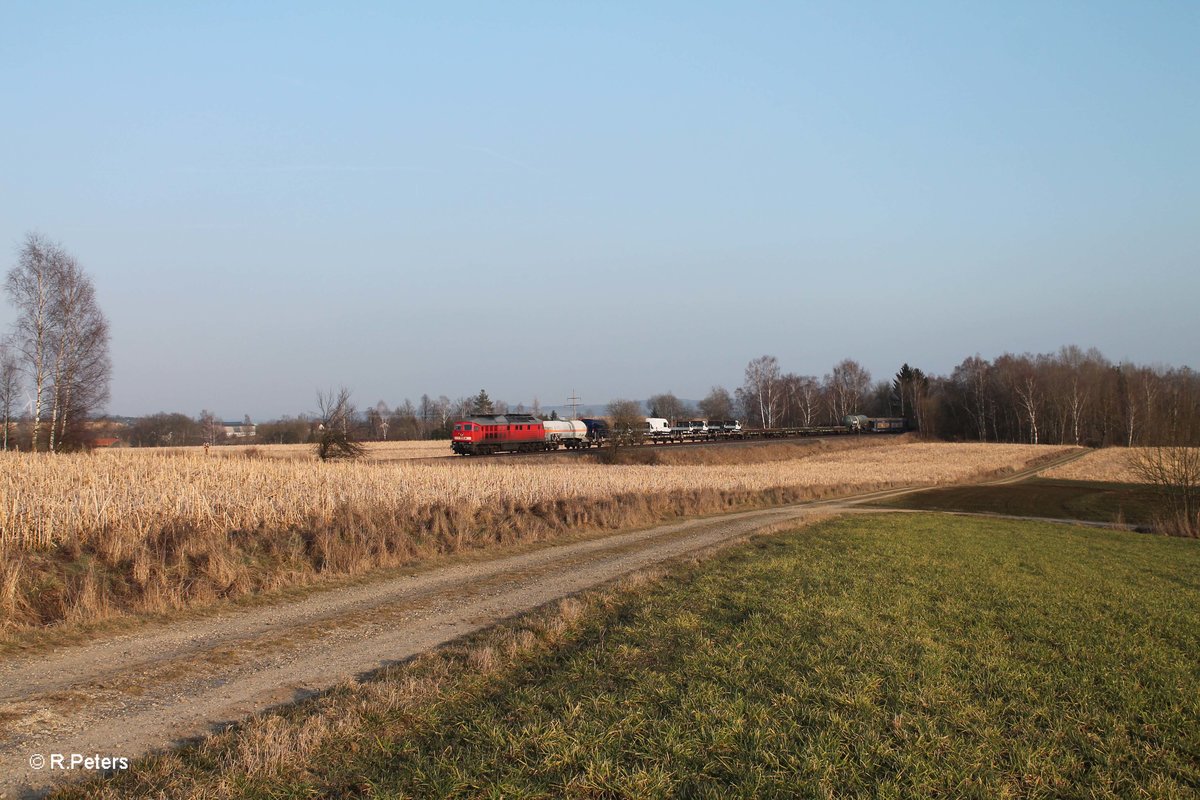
131,494
1110,465
86,538
376,451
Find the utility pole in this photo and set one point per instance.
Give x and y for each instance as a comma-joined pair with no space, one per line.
574,401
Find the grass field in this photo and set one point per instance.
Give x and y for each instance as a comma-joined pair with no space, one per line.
891,656
1129,504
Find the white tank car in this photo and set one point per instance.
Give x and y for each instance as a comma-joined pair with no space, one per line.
570,433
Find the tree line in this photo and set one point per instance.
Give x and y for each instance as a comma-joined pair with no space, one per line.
428,418
1071,396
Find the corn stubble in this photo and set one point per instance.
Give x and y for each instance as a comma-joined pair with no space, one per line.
83,537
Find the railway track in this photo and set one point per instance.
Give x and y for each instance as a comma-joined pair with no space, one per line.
659,445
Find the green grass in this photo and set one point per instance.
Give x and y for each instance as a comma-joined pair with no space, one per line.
890,656
1056,499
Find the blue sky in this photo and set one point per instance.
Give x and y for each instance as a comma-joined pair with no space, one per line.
620,199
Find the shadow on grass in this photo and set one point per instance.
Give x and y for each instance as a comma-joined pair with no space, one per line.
1126,504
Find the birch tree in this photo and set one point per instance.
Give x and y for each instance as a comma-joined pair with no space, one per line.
808,400
1030,397
849,383
61,337
761,391
801,400
29,286
1130,401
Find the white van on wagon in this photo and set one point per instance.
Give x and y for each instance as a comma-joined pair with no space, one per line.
657,428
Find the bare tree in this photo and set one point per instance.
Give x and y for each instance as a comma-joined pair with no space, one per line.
718,404
427,413
800,400
807,397
404,423
379,418
1067,387
761,392
1134,383
461,408
335,438
446,409
62,338
848,385
10,387
669,406
1175,473
212,427
81,363
972,376
30,288
627,422
1029,395
906,386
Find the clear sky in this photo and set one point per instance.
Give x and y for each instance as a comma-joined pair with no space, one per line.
616,198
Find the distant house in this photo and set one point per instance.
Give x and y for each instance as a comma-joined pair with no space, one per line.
240,430
103,441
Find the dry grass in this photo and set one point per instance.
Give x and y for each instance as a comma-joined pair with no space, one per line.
1110,465
88,537
131,494
376,451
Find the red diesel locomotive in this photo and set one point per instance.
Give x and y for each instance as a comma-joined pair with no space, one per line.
518,433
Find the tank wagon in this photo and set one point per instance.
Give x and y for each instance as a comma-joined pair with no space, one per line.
571,433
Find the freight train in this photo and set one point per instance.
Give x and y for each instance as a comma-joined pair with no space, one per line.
487,434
